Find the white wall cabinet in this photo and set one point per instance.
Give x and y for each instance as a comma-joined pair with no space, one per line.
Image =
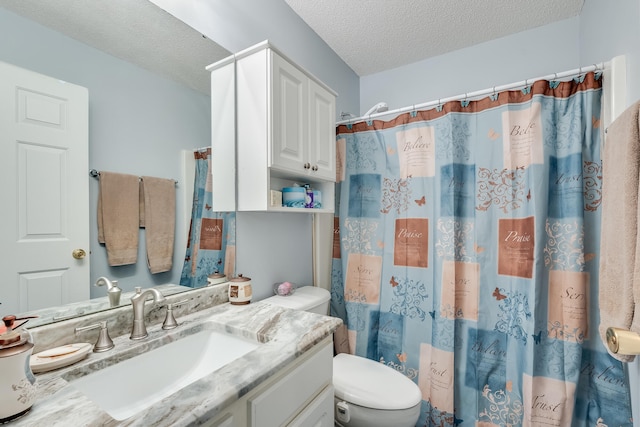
274,128
300,395
304,123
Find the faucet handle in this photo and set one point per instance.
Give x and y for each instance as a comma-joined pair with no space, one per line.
170,321
104,341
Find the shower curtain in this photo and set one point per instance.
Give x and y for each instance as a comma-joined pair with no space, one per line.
211,243
466,257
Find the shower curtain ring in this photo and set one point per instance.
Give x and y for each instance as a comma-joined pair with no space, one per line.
494,95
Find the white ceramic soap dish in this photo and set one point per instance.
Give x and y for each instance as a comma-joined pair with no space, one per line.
59,357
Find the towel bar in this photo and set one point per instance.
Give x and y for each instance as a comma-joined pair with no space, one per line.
94,173
621,341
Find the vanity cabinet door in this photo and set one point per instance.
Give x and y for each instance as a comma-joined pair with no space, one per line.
287,398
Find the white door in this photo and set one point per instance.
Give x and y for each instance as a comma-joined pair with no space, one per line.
45,191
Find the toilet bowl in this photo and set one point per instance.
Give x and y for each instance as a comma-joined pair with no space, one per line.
367,393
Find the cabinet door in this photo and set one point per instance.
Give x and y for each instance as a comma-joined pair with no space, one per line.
289,116
322,132
291,394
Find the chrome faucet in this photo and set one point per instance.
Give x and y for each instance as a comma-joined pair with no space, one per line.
113,291
139,329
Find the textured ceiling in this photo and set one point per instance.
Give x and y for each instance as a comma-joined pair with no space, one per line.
369,35
377,35
136,31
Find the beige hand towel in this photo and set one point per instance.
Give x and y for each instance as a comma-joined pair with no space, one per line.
619,292
159,221
118,217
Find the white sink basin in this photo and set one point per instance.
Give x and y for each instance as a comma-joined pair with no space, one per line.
132,385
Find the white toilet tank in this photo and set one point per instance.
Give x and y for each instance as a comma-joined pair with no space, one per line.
305,298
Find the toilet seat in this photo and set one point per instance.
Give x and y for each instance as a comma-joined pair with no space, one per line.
371,384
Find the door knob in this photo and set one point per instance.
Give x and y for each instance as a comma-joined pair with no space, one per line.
78,253
307,165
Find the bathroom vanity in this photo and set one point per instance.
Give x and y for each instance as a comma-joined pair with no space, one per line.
284,379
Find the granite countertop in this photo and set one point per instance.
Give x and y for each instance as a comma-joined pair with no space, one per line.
285,335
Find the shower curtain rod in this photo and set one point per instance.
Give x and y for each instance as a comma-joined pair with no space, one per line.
479,93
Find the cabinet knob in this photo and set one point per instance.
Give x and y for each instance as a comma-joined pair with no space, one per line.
307,165
314,168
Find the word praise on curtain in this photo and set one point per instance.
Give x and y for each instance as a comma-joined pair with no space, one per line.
466,257
211,247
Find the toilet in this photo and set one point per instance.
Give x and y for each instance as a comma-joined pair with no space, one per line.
367,393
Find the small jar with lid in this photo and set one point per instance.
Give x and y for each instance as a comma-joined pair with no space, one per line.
216,278
240,290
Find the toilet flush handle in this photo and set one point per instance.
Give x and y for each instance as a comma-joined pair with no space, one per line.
342,412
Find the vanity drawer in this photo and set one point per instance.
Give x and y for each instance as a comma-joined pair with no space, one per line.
319,413
289,395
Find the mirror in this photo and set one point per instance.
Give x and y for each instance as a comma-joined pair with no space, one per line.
148,102
68,311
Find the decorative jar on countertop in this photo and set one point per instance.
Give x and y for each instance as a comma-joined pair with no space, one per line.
240,290
17,382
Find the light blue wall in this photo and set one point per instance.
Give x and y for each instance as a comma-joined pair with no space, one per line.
603,30
609,29
529,54
138,123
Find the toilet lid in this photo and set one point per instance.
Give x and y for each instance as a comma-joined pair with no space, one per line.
304,298
371,384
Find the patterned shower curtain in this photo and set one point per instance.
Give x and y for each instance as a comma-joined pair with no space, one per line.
466,257
211,246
